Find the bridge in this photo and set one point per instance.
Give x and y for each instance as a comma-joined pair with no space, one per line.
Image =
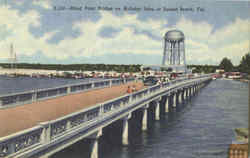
44,139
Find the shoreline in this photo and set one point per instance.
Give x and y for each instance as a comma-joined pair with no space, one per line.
243,80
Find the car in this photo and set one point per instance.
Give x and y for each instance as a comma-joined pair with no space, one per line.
150,81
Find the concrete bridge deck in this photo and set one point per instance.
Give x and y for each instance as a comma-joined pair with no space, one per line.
26,116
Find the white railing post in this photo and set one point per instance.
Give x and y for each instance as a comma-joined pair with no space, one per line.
101,109
68,124
34,96
130,98
1,102
110,83
68,89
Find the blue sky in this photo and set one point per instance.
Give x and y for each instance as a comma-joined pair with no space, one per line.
41,34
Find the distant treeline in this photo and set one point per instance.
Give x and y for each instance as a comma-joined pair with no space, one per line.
225,64
76,67
203,68
99,67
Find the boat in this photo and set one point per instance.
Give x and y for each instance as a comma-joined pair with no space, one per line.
234,75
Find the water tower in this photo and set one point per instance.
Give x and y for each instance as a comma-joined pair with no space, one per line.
174,51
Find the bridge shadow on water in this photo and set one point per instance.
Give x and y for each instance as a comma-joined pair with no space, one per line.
110,143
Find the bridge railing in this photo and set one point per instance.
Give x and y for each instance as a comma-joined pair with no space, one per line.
46,132
20,141
41,94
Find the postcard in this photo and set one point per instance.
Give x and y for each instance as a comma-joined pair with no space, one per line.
124,79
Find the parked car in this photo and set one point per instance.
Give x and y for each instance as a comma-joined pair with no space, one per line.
150,81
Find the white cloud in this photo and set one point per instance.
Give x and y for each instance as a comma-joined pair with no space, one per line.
201,42
125,41
42,3
235,50
233,32
230,41
199,38
194,30
18,26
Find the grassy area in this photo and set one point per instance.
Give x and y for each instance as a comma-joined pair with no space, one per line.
241,134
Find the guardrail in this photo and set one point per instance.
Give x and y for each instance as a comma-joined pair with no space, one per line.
86,119
41,94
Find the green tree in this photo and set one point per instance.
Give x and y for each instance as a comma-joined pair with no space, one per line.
226,64
245,64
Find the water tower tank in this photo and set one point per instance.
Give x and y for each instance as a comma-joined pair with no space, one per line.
174,35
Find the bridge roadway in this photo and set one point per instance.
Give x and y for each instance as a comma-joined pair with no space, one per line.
47,138
26,116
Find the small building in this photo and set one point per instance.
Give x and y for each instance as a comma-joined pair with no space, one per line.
220,71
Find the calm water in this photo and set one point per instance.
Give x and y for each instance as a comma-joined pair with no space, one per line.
203,128
20,84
